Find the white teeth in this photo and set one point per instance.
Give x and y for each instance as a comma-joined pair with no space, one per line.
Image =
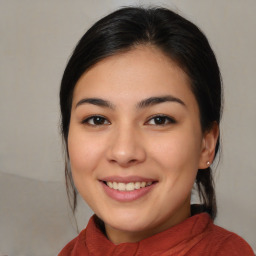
121,186
115,186
137,185
129,186
143,184
110,184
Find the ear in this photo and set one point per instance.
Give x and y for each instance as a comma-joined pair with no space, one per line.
209,141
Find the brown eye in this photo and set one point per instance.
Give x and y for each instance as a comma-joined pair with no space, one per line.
96,120
161,120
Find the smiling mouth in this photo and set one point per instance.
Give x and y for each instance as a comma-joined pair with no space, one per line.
131,186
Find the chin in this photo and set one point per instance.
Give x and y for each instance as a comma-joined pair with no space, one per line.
130,227
130,222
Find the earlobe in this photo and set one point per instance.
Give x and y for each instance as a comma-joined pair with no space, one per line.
208,146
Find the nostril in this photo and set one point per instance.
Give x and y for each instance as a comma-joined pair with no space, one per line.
124,162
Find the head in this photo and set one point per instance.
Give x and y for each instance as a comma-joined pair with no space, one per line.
170,46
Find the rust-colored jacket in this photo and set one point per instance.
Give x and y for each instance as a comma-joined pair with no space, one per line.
195,236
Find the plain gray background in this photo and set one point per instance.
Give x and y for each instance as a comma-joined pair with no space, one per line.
36,39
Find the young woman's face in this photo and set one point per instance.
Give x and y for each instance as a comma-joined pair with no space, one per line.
135,143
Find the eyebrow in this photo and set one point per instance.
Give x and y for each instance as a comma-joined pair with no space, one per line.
96,101
156,100
142,104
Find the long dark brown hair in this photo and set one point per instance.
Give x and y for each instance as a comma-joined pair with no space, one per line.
178,39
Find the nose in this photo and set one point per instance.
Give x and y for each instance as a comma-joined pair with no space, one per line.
126,147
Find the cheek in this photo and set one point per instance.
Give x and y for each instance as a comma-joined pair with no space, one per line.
177,152
84,152
178,159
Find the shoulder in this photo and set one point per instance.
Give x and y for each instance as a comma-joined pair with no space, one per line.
225,242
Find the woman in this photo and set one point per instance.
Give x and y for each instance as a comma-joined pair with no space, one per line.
141,106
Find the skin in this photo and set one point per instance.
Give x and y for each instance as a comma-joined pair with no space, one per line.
128,141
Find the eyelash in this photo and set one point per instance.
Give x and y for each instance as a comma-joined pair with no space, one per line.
93,118
167,120
164,120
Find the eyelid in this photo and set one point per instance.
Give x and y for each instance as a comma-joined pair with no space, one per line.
85,120
170,119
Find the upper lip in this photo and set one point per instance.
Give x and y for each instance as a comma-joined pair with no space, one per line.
127,179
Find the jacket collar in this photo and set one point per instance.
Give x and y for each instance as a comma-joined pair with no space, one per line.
176,240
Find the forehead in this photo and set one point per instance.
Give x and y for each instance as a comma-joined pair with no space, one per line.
139,73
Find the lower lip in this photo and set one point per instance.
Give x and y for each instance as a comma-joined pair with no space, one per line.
127,196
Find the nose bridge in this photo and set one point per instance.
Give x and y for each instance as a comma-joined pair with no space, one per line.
126,147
